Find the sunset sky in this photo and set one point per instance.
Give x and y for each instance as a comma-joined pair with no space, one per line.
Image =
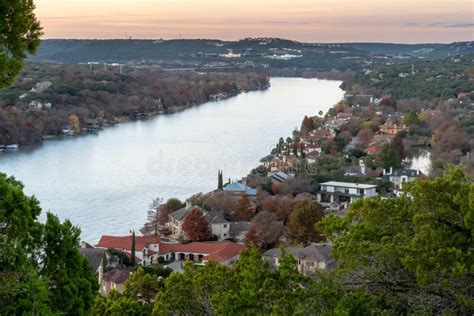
304,20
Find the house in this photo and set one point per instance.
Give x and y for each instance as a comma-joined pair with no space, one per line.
389,128
113,280
144,246
150,249
345,192
238,230
309,259
95,256
280,177
372,150
240,189
92,125
218,224
400,176
358,171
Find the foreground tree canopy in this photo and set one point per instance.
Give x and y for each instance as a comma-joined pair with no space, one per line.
41,269
20,34
415,253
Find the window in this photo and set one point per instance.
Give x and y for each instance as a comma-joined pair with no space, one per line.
225,225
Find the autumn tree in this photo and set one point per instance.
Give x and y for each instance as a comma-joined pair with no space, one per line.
302,220
280,205
253,238
307,125
450,141
399,147
244,209
264,230
365,136
20,34
196,226
74,122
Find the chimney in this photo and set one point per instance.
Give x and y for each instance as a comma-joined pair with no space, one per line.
188,204
384,171
362,166
391,170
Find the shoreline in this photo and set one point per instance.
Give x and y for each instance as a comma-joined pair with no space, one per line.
127,119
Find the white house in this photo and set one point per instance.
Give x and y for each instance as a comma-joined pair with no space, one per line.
345,192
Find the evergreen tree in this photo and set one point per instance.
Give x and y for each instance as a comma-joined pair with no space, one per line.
389,156
132,255
220,181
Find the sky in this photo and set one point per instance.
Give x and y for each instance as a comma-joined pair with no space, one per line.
402,21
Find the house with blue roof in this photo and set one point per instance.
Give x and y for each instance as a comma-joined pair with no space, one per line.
240,188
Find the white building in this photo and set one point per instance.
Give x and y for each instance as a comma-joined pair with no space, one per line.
400,176
345,192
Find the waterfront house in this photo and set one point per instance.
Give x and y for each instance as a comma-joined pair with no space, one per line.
218,224
149,249
308,259
240,189
345,192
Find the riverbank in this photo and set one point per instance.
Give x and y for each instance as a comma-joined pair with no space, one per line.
50,100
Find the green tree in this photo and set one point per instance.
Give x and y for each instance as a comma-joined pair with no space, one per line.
72,283
142,286
220,181
22,290
302,220
415,253
389,156
20,34
412,119
132,251
174,204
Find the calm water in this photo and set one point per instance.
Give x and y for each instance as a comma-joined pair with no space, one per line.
105,182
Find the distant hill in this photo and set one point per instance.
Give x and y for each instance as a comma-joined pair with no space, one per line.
265,53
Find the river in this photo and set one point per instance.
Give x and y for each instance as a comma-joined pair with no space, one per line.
104,182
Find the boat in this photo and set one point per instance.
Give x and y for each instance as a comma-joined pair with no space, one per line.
11,147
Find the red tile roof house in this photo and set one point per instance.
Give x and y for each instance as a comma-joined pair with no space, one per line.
150,248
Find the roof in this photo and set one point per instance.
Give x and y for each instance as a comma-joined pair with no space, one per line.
413,173
210,216
94,256
179,214
280,176
319,253
349,185
239,187
125,242
117,276
353,170
236,228
216,251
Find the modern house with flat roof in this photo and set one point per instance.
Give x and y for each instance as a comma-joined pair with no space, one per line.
345,192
